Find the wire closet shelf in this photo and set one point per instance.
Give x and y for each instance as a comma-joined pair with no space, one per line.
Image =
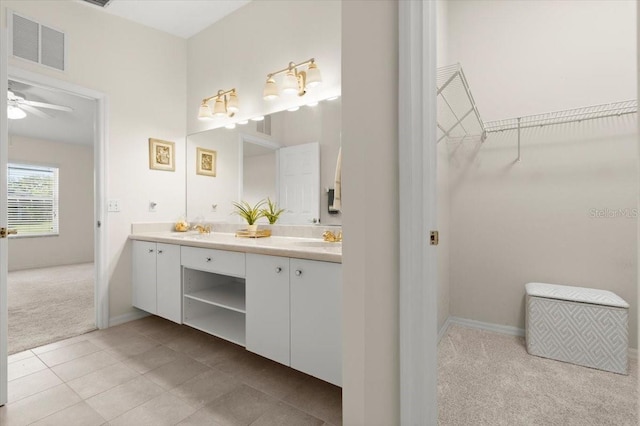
458,115
614,109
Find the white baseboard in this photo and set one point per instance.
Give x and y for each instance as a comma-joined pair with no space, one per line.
443,330
131,316
487,326
497,328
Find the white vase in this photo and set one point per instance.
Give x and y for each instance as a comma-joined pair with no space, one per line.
252,228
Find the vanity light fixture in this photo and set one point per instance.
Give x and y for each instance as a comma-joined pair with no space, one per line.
294,81
226,104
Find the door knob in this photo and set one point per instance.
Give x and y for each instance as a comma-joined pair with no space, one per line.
298,272
159,251
208,259
278,270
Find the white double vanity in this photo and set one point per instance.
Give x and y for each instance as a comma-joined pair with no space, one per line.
280,297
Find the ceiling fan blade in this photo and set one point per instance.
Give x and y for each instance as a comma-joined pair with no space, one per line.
35,111
45,105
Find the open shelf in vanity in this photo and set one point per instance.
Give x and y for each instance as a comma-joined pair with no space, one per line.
215,304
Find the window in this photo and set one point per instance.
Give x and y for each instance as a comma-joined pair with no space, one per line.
33,200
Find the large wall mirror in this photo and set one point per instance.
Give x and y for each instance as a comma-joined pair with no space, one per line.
289,157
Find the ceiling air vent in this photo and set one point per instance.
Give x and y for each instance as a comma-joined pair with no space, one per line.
101,3
38,43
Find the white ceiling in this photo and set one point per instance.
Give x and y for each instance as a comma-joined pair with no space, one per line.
183,18
69,127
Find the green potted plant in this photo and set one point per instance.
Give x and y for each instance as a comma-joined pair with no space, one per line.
272,212
249,213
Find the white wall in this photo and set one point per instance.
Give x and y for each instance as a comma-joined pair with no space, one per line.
527,57
261,37
74,244
143,73
514,223
370,267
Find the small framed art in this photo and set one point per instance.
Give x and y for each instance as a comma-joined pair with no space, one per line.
205,162
162,155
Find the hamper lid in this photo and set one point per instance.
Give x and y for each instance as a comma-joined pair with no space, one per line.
576,294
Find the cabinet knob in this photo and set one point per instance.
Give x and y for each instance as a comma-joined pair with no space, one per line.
150,250
278,270
298,272
208,259
159,251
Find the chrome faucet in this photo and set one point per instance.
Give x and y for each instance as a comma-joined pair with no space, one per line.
331,237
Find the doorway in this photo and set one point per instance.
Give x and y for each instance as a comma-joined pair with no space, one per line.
99,223
50,207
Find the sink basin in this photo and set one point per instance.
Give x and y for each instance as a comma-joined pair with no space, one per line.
317,244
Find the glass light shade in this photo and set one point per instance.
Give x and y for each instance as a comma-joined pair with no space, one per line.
218,108
204,113
15,113
293,109
232,105
270,89
258,118
290,83
312,104
243,122
230,126
313,75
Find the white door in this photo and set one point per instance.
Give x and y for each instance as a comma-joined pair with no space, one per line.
300,183
4,144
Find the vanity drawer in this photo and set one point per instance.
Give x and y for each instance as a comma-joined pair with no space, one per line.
218,261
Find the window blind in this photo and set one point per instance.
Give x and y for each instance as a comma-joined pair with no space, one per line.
32,198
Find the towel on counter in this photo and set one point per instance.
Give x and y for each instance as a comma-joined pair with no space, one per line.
337,192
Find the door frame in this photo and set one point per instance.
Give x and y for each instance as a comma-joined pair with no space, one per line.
417,118
4,144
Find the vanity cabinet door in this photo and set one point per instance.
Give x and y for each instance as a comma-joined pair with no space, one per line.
168,285
144,276
267,304
316,319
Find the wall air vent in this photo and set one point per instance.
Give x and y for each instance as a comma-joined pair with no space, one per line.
100,3
38,43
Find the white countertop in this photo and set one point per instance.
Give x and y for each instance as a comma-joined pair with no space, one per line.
299,248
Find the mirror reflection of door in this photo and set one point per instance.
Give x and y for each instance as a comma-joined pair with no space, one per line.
299,173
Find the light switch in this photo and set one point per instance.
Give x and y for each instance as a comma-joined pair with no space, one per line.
113,206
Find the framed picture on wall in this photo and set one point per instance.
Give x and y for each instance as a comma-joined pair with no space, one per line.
205,162
162,155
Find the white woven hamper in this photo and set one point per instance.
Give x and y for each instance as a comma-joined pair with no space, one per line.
582,326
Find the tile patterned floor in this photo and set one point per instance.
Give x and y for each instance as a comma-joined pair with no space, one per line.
154,372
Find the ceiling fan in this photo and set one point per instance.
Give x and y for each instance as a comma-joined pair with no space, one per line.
18,106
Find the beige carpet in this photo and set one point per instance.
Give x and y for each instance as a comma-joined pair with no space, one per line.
487,378
49,304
